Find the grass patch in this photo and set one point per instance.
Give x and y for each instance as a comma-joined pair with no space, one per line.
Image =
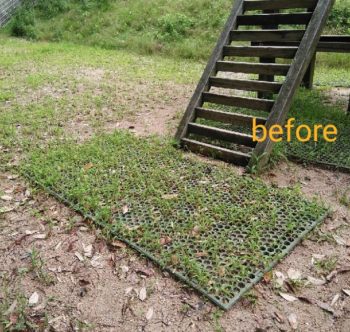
217,229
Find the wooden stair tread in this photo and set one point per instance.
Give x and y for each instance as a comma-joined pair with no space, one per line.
210,150
244,102
261,51
274,18
267,35
246,85
227,117
252,68
221,134
278,4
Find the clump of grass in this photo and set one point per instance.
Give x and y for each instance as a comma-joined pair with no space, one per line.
38,268
326,265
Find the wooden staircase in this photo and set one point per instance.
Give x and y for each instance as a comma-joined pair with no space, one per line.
239,84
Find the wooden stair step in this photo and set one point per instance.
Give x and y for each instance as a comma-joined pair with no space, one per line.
252,68
267,35
287,52
210,150
278,4
246,85
228,117
271,19
221,134
244,102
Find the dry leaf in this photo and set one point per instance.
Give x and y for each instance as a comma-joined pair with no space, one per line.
201,254
143,294
293,321
88,250
6,198
175,260
128,290
294,274
325,307
6,209
79,256
88,166
149,314
335,300
125,268
288,297
165,240
125,209
145,272
170,196
95,262
195,231
118,244
339,240
346,291
315,281
222,271
34,298
280,278
40,236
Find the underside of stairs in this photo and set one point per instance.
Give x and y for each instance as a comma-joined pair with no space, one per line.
247,78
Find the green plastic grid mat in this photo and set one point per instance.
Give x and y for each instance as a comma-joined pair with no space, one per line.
329,154
217,231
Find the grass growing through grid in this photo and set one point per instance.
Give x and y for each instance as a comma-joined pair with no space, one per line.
216,228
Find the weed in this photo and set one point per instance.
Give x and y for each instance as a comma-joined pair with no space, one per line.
326,265
38,268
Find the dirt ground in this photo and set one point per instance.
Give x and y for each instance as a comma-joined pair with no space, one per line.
76,281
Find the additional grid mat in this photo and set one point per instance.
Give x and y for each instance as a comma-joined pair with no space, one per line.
215,230
335,155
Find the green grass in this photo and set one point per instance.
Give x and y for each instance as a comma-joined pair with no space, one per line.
181,28
216,228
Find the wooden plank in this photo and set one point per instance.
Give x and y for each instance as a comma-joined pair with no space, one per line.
308,80
295,75
252,68
221,134
249,103
228,117
246,85
267,35
275,18
236,157
210,69
287,52
278,4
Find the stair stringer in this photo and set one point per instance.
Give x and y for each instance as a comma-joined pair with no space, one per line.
299,66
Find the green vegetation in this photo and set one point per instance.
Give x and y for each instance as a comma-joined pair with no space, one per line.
205,222
180,28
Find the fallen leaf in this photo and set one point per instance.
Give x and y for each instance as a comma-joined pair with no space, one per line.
335,300
201,254
6,209
40,236
128,290
306,300
222,271
88,250
88,166
170,196
165,240
339,240
96,263
125,268
325,307
13,318
6,198
143,294
293,321
267,277
315,281
294,274
280,278
149,314
145,272
118,244
79,256
279,317
195,231
288,297
125,209
34,298
175,260
346,291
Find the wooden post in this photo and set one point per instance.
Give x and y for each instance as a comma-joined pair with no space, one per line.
349,107
308,80
269,78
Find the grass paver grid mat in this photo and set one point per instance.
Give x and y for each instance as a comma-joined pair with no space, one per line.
215,230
